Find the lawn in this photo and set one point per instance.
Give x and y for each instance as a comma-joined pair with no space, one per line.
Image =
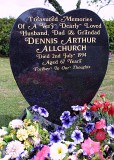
12,102
107,86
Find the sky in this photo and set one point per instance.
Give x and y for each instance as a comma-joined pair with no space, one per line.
14,8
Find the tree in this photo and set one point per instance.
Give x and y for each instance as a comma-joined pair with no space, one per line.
58,7
78,4
99,4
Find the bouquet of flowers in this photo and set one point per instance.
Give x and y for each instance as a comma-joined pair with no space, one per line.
86,134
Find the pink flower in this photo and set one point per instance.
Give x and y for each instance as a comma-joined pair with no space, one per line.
100,124
41,155
100,153
90,147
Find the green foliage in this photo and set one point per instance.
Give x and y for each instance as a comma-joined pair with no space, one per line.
29,115
78,4
57,6
5,29
110,28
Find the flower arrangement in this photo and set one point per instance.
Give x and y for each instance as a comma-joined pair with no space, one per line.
86,134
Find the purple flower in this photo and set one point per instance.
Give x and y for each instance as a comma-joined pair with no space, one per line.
43,112
55,137
77,136
87,115
77,108
23,155
71,148
61,131
66,119
110,130
35,108
67,122
35,117
64,115
36,148
89,127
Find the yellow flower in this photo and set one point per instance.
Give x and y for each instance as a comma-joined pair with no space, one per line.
35,123
22,134
1,146
27,144
31,130
27,122
13,131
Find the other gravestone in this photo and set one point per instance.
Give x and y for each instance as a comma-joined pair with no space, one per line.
58,61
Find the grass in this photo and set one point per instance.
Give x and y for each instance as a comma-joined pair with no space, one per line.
12,103
107,86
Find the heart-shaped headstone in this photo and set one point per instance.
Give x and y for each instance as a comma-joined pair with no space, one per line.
58,61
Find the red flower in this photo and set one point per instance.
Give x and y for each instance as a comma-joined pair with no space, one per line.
84,109
94,108
105,109
106,103
94,131
41,155
111,110
98,104
101,135
102,95
100,124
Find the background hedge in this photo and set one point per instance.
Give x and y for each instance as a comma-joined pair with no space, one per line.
5,29
6,25
110,28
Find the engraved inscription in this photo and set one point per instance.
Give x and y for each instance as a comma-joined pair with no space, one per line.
61,43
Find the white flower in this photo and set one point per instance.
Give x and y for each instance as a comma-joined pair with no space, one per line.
73,157
2,132
14,149
58,151
1,139
36,141
16,123
7,157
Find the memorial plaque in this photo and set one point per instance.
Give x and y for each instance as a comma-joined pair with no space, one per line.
58,60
